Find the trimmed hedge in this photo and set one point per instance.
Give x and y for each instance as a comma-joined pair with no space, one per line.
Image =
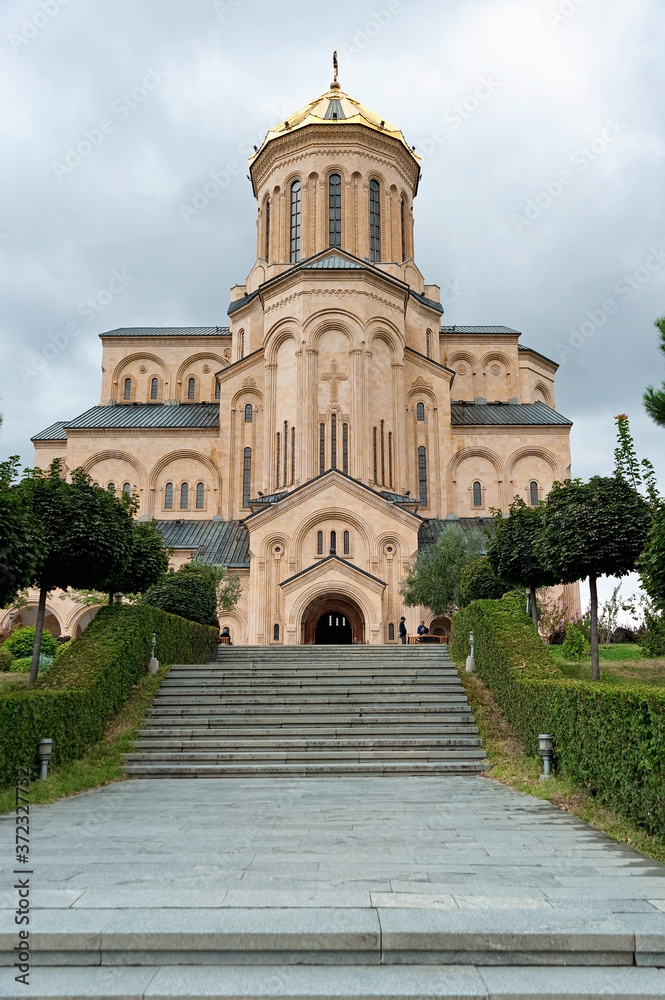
608,738
73,701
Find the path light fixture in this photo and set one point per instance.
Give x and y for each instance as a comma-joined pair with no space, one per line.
470,660
153,666
546,750
44,754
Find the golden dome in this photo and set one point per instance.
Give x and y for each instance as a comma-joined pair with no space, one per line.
332,107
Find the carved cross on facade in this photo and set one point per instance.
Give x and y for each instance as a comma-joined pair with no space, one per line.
334,376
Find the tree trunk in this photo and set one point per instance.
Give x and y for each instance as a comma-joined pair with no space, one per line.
534,606
595,662
41,610
111,596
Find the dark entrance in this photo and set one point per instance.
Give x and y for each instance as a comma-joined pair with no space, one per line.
333,629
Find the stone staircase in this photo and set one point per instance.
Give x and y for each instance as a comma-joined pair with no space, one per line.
310,710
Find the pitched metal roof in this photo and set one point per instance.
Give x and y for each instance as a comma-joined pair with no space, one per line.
147,415
334,263
426,302
478,329
530,350
260,503
56,432
430,530
168,331
222,542
469,414
333,558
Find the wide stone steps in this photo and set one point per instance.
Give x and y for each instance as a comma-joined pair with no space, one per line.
259,711
347,954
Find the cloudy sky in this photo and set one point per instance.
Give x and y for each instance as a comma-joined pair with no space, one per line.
540,123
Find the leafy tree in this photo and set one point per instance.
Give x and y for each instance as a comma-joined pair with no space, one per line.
22,642
589,530
148,562
433,580
651,564
197,591
654,399
513,550
478,582
21,540
87,535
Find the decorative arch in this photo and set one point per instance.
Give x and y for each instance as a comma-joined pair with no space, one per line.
422,390
545,390
531,452
387,538
129,360
278,336
103,456
77,616
323,589
462,456
270,541
238,619
175,456
201,356
327,320
496,356
315,519
464,356
247,390
389,337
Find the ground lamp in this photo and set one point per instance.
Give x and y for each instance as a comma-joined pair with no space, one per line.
470,660
546,749
153,665
44,753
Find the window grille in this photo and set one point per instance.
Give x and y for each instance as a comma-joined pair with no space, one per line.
200,495
345,449
374,220
333,440
422,476
267,248
319,543
335,210
533,490
347,543
293,455
278,457
402,217
248,413
126,488
247,477
420,411
391,631
477,495
184,496
333,542
390,458
275,632
295,221
128,388
154,389
168,496
191,389
374,450
322,448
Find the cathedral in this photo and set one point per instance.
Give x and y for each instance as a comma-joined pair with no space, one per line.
336,425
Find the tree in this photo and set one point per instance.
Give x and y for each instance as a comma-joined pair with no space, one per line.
513,551
197,591
87,535
593,529
654,399
21,540
433,580
478,582
148,562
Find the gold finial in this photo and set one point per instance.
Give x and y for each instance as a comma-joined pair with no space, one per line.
335,85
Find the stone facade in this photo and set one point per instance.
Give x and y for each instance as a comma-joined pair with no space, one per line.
335,416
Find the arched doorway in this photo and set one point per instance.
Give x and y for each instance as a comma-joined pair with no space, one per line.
333,629
333,619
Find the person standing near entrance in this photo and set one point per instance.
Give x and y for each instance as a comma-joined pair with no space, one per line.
422,630
402,631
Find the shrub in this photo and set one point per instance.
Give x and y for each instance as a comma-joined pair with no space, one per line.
622,634
23,663
558,638
652,639
21,642
190,594
72,702
478,581
6,659
608,738
575,645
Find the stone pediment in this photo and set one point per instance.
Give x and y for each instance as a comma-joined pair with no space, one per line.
337,492
335,569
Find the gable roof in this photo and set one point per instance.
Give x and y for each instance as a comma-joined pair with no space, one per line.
472,414
479,329
147,415
168,331
224,543
344,562
398,499
431,529
334,262
56,432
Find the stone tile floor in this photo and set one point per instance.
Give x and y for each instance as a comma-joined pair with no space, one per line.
455,843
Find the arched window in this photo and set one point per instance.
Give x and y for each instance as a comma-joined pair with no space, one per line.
267,246
275,632
241,339
96,484
347,543
319,543
278,456
191,389
333,543
375,455
391,631
402,222
333,440
295,221
374,220
383,456
200,495
322,449
248,413
477,495
345,449
293,455
390,459
111,488
154,388
218,390
533,491
247,477
126,488
428,344
335,210
168,496
422,476
128,388
420,411
184,496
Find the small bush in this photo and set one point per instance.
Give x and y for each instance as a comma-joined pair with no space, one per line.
190,594
558,637
6,659
22,642
622,635
575,645
652,639
23,663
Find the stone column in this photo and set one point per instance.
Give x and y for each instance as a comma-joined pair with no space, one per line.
399,420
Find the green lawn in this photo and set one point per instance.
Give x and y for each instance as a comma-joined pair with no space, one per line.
621,664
